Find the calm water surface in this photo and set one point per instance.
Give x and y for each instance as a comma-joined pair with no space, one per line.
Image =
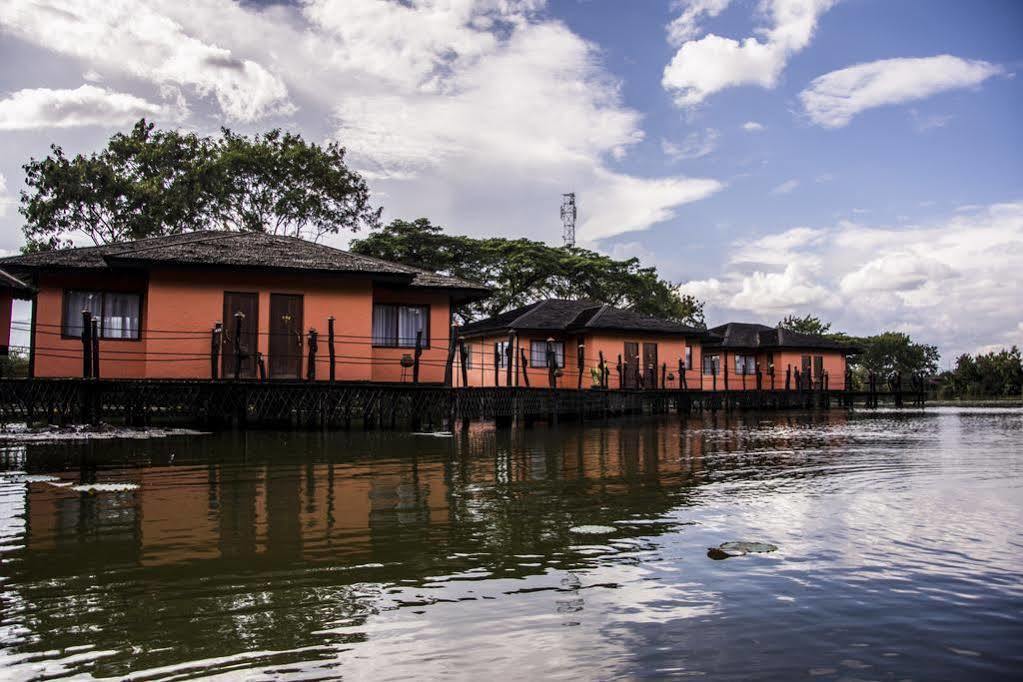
399,556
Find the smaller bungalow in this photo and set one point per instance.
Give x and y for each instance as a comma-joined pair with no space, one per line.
734,352
519,347
156,304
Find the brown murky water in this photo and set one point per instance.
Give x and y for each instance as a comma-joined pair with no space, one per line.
577,552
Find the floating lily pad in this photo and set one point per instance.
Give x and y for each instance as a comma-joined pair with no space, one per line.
735,548
593,530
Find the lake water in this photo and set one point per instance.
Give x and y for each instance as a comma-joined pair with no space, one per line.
572,552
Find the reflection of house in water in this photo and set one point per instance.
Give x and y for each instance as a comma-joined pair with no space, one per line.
239,542
269,507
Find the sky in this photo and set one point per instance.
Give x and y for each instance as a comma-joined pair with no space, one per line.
853,159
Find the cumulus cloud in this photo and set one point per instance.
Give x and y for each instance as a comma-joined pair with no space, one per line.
136,39
693,146
712,63
87,105
832,100
954,282
753,127
477,113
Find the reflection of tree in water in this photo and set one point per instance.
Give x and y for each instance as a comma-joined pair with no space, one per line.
241,542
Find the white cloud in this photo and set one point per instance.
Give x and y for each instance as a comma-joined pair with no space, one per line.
753,127
136,39
686,26
461,110
954,283
794,287
712,63
779,249
5,198
87,105
693,146
786,187
832,100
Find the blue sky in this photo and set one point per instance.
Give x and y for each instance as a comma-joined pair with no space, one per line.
858,159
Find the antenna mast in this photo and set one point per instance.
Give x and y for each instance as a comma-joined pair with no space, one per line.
568,218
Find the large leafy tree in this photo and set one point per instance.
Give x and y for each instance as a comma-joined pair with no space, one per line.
522,271
151,182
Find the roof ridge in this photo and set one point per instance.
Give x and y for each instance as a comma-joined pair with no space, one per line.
208,235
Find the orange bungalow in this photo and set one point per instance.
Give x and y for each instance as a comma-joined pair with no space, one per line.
157,301
734,352
521,347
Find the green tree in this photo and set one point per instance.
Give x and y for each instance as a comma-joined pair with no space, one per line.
150,182
990,375
896,352
522,271
810,324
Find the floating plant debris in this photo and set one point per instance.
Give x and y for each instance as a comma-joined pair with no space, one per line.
726,550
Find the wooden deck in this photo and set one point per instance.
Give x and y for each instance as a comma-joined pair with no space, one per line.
343,405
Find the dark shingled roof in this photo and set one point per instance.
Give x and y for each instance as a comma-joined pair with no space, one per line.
235,250
9,281
559,315
759,336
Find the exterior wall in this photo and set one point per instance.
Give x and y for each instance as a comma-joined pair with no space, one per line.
834,365
669,349
183,306
386,361
481,371
57,356
180,307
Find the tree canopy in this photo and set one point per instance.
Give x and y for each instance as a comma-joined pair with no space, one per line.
989,375
151,182
522,271
811,324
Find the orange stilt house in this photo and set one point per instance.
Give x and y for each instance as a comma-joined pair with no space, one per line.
521,346
199,304
735,352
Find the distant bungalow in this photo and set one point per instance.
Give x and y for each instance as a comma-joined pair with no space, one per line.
165,307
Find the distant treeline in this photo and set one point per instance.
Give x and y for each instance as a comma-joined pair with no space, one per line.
991,375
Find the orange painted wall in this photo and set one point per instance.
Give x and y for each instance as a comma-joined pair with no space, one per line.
386,361
834,365
62,357
669,350
180,307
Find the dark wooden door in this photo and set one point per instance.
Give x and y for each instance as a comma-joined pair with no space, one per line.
285,336
632,368
650,364
248,305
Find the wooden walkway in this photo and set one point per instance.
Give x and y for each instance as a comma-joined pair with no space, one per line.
238,404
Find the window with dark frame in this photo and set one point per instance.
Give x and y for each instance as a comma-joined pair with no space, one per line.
538,353
501,351
118,313
711,364
689,358
745,364
395,325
